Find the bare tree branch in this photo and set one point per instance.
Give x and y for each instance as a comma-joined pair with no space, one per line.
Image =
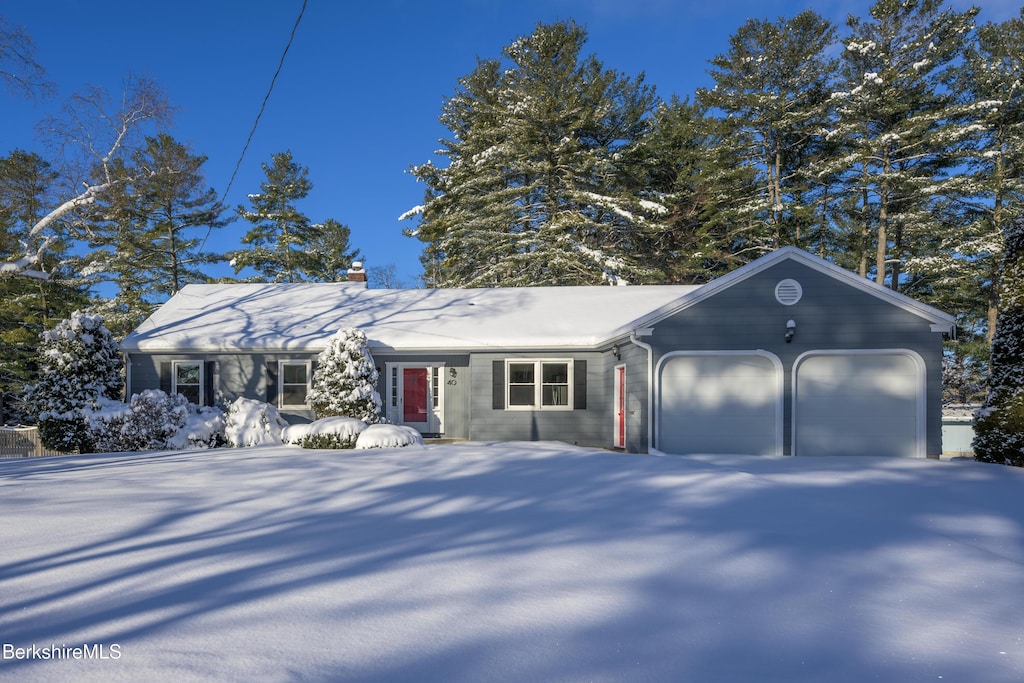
19,69
89,139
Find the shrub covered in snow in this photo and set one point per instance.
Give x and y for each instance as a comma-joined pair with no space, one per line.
156,417
345,380
154,420
999,425
253,423
78,365
204,428
329,432
388,436
105,422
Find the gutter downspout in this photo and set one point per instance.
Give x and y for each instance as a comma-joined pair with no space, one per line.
127,376
634,339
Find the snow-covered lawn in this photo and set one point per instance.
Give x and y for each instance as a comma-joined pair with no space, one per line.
514,562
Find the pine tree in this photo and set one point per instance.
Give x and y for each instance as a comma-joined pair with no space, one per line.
999,425
535,191
327,251
28,305
695,176
94,140
897,126
965,270
148,231
280,231
771,89
345,379
79,363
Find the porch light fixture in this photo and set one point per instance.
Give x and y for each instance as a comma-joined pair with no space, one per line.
790,330
616,352
453,373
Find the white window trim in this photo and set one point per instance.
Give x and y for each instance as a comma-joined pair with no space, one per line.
281,383
202,377
538,384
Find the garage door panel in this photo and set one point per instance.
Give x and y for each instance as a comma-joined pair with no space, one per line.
858,404
711,403
828,443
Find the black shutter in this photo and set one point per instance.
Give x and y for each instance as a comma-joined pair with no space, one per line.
272,382
165,377
579,382
209,382
498,385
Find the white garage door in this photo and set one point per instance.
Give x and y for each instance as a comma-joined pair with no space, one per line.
850,403
720,403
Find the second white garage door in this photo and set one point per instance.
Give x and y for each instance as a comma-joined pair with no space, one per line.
859,403
720,402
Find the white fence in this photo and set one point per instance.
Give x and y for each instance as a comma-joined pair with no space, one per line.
22,442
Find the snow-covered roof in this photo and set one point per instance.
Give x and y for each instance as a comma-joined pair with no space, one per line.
302,317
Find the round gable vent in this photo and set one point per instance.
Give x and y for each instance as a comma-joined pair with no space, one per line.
788,292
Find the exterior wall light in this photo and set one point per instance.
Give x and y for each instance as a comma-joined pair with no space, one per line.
616,352
790,330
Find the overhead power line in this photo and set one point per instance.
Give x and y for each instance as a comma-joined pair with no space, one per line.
259,114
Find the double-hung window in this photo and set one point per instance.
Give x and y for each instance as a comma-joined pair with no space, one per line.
539,384
187,380
294,383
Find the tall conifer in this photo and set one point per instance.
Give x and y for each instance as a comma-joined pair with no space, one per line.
535,191
999,427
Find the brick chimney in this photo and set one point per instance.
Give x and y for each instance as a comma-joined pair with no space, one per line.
356,273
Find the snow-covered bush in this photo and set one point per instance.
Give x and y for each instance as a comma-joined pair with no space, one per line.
345,380
105,421
388,436
999,425
155,417
329,432
253,423
154,420
78,365
204,428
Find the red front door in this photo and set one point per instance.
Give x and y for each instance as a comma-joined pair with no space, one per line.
414,395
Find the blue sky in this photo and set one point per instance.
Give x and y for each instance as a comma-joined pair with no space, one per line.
358,98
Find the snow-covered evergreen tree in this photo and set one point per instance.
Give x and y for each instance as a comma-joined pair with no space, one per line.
345,379
999,425
329,257
772,89
28,305
536,190
990,187
78,364
897,125
146,232
284,245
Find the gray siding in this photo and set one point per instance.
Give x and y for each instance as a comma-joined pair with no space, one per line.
635,360
590,426
234,375
245,374
831,315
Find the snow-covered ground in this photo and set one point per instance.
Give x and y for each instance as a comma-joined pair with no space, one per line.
509,562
